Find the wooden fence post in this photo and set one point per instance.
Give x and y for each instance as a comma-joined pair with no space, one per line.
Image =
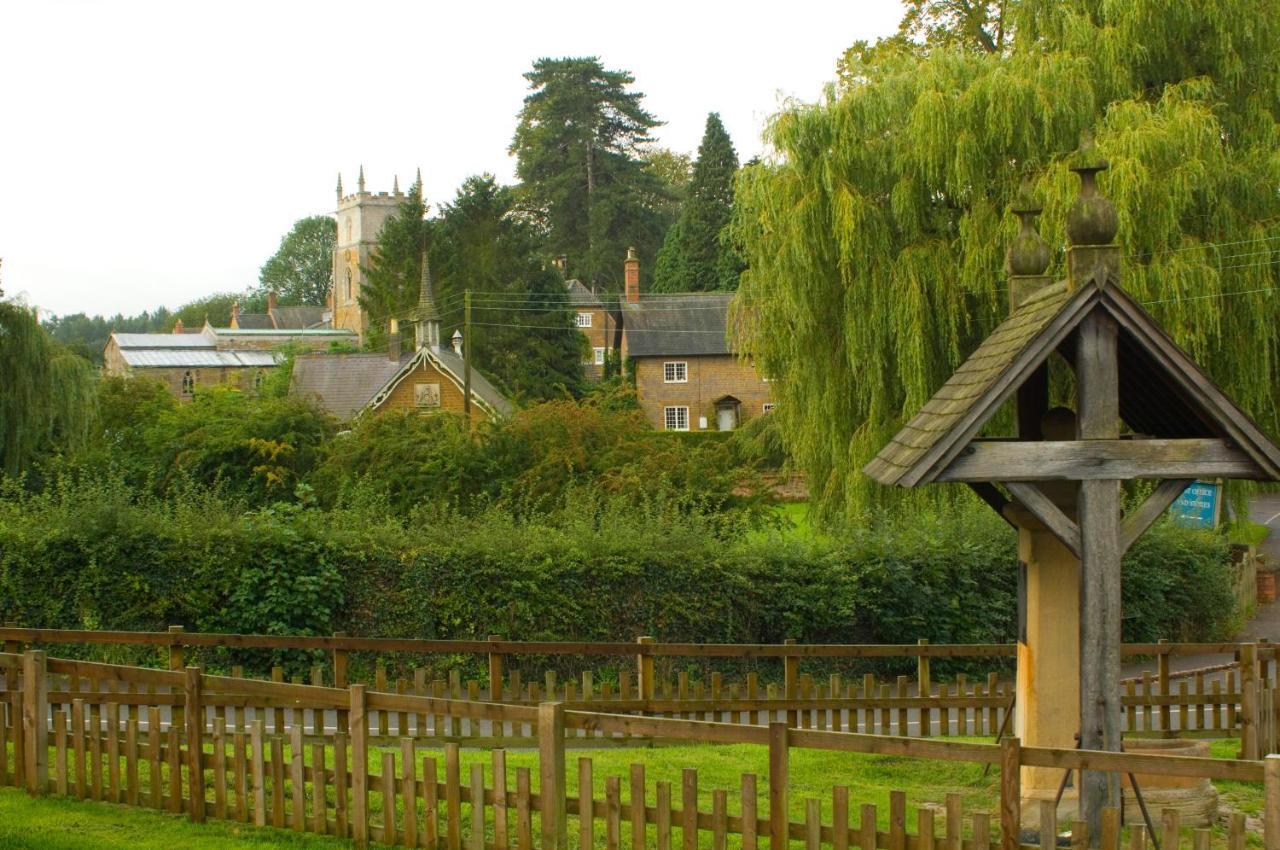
1162,673
924,688
193,702
176,662
791,680
1271,803
1010,793
555,828
13,647
359,730
495,672
779,761
35,722
644,671
1249,702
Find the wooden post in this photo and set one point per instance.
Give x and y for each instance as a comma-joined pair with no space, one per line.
359,729
1271,803
791,680
779,770
1249,748
1010,793
1097,391
1162,671
176,661
644,671
13,647
467,349
340,664
924,688
555,832
194,705
495,672
35,722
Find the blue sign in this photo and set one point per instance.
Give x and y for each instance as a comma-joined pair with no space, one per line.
1197,507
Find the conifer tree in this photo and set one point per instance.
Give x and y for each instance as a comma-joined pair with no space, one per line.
395,267
694,257
875,240
578,149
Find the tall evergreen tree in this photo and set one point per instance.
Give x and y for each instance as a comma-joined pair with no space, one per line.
523,331
694,256
875,242
391,279
301,269
578,150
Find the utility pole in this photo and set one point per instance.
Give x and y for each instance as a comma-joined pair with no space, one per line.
466,355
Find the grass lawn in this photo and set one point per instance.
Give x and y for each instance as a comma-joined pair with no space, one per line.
61,823
1247,532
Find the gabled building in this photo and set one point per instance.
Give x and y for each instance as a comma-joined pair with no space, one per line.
431,377
687,376
296,318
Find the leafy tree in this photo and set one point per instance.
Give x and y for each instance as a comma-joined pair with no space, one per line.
875,240
578,149
395,268
47,394
301,270
524,335
694,257
974,24
674,171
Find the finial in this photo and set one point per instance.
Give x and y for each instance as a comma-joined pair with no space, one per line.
360,181
1092,219
395,184
1028,254
419,177
339,185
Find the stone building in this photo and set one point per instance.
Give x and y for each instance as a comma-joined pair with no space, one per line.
687,376
298,318
360,218
597,323
431,377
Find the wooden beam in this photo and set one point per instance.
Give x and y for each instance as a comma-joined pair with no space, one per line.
1099,459
1140,519
1098,419
1042,508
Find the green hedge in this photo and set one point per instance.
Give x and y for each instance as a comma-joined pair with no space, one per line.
96,555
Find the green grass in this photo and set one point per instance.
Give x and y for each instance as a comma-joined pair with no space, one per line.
1247,532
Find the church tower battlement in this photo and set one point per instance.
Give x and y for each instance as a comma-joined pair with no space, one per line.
360,217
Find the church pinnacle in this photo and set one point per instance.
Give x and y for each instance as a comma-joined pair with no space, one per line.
360,180
339,185
425,314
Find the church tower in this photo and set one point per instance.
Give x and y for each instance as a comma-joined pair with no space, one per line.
360,218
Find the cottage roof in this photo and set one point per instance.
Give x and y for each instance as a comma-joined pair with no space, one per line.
298,318
254,321
581,296
688,325
1163,392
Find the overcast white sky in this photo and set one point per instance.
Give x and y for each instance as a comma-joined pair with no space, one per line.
152,153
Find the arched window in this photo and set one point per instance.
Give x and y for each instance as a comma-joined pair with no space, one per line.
188,383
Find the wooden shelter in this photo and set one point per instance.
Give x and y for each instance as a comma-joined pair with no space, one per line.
1144,410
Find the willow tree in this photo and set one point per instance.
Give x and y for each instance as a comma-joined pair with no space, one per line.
47,394
875,235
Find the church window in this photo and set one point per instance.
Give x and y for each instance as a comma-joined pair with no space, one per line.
188,383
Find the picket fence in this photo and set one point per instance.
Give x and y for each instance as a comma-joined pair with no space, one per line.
316,759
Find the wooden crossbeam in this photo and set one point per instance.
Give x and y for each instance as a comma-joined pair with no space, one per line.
992,496
1042,508
1106,459
1140,519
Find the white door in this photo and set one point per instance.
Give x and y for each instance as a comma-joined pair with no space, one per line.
726,418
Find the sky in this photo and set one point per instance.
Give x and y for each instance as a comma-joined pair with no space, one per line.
153,153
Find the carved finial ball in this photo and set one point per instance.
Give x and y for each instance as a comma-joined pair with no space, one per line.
1092,219
1028,254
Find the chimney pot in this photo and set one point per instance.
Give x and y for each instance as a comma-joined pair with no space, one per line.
177,326
631,276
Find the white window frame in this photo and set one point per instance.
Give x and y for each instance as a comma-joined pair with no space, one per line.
675,372
584,320
768,407
597,356
671,416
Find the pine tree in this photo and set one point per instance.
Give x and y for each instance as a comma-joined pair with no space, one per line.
875,241
578,149
391,279
694,257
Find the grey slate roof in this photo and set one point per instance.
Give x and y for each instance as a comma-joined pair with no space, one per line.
663,325
581,296
298,317
254,321
345,384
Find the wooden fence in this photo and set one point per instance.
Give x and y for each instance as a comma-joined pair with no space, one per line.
1224,701
264,753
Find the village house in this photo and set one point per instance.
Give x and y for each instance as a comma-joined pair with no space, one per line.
431,377
687,377
298,318
186,360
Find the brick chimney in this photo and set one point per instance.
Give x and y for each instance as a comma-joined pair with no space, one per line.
177,326
271,302
631,276
235,314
